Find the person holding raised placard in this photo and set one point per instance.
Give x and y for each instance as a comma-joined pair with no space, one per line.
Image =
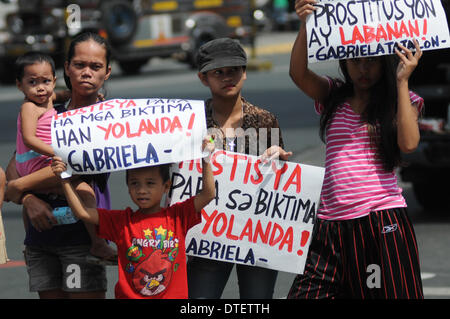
238,127
53,252
150,240
363,244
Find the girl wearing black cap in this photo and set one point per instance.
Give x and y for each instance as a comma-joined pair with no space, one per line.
222,68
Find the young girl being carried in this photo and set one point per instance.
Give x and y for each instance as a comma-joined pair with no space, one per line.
367,120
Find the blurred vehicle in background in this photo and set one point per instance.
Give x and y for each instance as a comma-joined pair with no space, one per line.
136,29
6,8
275,15
428,168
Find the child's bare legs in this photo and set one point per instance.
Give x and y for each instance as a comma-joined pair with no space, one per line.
99,246
100,251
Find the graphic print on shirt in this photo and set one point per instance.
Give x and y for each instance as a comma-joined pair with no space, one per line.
152,261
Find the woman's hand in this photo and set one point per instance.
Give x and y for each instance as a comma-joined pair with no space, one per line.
408,61
275,152
303,8
39,213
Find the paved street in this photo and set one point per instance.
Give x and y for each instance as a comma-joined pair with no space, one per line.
271,89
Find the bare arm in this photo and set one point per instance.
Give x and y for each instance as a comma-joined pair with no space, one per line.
312,84
408,135
42,181
39,212
82,199
82,208
29,118
209,187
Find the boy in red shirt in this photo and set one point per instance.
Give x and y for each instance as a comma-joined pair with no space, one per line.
150,241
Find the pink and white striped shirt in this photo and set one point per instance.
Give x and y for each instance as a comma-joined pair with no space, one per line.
27,160
355,182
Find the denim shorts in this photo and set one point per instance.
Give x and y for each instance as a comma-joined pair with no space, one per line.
63,267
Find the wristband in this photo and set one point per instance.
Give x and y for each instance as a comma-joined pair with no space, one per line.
23,196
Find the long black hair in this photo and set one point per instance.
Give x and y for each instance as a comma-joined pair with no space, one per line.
380,113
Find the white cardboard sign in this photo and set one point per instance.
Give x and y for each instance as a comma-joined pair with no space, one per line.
263,214
117,134
342,29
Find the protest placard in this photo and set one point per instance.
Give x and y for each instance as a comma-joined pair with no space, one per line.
262,214
122,134
362,28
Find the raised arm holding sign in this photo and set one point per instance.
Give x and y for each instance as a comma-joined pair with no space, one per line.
150,240
367,119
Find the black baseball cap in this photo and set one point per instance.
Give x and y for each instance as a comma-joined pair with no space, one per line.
220,53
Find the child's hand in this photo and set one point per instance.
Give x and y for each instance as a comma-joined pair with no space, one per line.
274,152
408,61
58,166
208,144
303,8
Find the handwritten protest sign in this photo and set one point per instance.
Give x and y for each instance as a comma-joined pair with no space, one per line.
361,28
262,215
121,134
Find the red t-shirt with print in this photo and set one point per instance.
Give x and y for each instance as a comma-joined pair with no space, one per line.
151,249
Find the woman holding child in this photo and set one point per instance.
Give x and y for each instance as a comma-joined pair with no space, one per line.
50,249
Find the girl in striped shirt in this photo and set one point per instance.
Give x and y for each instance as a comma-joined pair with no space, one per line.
364,244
